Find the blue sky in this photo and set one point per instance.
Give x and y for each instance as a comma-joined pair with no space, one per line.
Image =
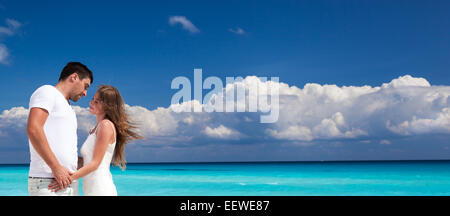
133,46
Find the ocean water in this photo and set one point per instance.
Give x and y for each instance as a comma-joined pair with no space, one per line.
265,179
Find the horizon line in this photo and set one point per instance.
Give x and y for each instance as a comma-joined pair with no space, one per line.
310,161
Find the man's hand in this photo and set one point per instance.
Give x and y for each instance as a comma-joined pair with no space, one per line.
54,185
62,176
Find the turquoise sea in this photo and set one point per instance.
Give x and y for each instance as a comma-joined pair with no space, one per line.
398,178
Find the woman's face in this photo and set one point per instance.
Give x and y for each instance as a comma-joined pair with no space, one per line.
96,106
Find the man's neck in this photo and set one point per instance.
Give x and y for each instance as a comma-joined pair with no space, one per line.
63,89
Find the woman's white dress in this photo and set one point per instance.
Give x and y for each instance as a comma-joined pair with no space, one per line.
100,181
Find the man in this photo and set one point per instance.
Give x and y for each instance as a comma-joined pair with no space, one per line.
52,131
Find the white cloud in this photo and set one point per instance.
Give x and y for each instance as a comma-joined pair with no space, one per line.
238,31
441,123
221,132
328,112
158,122
406,80
4,54
185,23
6,31
86,121
13,24
294,132
13,119
405,106
10,30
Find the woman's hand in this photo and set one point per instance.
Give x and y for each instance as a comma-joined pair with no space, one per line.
55,187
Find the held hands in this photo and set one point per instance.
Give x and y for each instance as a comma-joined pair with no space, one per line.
62,179
54,186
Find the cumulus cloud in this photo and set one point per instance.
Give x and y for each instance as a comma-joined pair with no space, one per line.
406,106
440,123
221,132
184,22
13,119
406,81
85,120
294,132
151,123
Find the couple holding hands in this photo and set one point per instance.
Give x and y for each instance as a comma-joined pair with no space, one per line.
52,131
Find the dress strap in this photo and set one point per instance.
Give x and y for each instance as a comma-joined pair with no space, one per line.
94,130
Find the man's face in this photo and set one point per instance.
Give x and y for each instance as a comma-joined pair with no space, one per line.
79,89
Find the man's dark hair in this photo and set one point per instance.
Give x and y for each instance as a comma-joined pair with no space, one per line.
78,68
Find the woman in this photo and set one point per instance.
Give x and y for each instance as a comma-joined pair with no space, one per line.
105,143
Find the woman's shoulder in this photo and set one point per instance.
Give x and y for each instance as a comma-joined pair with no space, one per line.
107,127
107,124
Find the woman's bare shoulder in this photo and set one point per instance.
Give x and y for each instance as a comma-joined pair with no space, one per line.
106,126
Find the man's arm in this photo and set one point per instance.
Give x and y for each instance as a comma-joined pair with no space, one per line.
35,132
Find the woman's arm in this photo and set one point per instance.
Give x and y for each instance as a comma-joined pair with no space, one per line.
104,136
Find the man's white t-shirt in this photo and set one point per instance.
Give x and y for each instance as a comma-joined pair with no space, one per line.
60,130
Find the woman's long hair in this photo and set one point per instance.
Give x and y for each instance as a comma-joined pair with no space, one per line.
114,109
